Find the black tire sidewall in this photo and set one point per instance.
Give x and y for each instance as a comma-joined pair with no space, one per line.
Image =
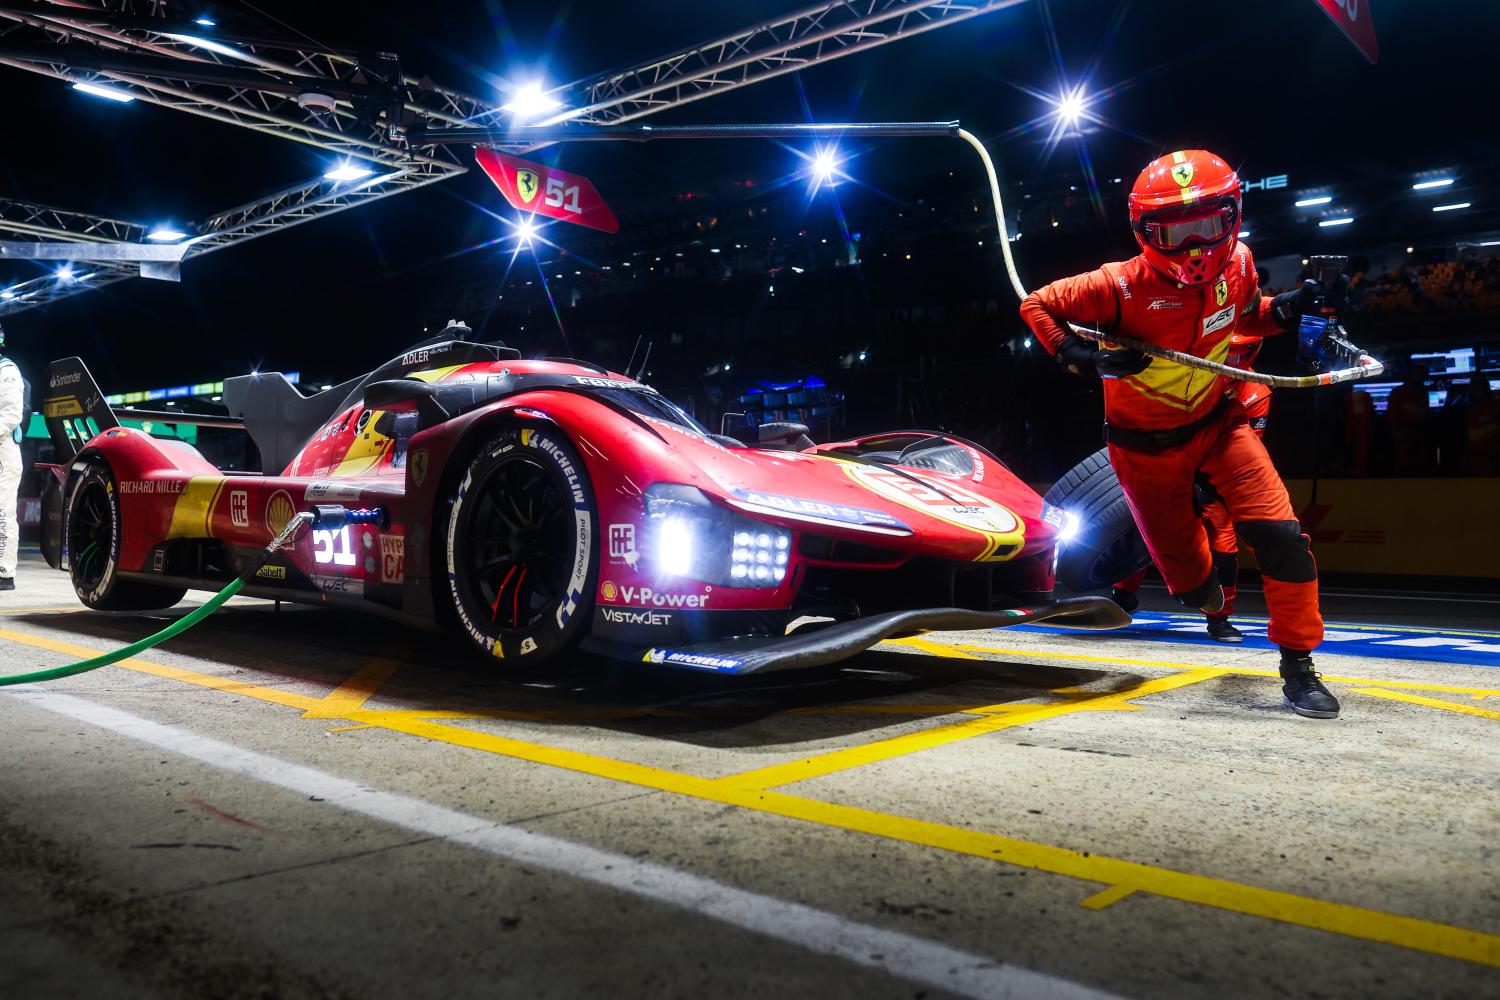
563,625
100,594
1101,554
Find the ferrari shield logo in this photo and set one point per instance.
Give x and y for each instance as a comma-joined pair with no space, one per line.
419,467
527,184
1221,292
1182,174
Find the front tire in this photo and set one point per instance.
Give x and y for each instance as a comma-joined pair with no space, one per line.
1108,546
93,545
521,545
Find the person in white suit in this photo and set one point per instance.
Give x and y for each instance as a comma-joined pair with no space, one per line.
12,405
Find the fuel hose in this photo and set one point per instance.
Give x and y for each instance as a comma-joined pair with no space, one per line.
1365,368
181,625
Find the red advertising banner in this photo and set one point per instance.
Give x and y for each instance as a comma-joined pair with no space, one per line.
544,190
1353,19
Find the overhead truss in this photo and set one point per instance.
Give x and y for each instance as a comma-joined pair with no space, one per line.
793,42
362,106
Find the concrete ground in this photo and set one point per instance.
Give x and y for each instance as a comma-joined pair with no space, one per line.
305,803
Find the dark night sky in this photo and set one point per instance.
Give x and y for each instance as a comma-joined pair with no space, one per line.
1272,85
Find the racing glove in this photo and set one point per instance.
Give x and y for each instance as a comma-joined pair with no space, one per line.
1288,307
1083,357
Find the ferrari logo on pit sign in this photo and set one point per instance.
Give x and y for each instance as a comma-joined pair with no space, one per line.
1182,174
527,184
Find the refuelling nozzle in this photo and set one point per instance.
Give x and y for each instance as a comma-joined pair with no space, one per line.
334,515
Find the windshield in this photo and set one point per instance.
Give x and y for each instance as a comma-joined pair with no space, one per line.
650,404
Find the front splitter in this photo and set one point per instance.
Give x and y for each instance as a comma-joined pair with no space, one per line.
821,645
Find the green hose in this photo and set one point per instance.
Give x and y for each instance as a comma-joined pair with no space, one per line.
181,625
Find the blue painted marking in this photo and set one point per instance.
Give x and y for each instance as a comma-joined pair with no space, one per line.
1479,649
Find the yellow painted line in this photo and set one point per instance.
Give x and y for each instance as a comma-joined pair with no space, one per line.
345,729
354,692
172,673
1338,918
1116,874
1243,671
1106,898
900,746
1447,706
50,607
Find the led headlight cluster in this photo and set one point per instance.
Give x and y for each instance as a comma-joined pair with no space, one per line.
760,556
689,536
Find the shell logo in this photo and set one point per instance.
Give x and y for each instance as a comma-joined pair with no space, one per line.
609,590
279,511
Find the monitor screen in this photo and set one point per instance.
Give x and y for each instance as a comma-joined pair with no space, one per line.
1456,361
1379,392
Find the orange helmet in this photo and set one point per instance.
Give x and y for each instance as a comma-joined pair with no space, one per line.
1185,211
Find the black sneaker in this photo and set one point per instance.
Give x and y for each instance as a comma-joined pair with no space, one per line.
7,583
1220,630
1303,692
1127,601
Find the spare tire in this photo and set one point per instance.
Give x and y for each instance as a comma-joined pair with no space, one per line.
1108,546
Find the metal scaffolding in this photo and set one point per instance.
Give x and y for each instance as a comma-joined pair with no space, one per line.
796,41
362,107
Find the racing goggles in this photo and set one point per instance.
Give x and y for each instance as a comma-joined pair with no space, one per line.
1178,229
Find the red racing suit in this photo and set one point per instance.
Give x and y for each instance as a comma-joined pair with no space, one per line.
1207,427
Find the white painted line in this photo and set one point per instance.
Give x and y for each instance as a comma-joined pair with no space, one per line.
912,958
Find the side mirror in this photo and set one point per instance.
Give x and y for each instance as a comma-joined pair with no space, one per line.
784,435
407,395
397,394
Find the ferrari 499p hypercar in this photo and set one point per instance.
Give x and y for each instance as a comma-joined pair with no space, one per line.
542,504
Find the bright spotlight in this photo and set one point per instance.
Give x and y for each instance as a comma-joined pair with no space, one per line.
1437,182
347,172
1070,107
1450,208
825,163
529,101
166,234
207,22
525,230
1336,222
108,93
7,294
1321,199
65,273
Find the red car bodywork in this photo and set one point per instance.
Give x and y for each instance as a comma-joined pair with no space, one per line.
185,522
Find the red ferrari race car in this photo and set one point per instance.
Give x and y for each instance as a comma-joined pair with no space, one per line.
544,504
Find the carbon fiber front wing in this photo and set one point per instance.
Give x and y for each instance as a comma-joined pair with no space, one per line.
822,645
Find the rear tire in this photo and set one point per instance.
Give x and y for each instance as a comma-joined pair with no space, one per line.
521,547
1108,546
92,537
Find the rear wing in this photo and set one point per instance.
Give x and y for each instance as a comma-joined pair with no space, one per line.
75,411
73,408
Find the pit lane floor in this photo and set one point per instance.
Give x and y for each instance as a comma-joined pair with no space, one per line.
306,803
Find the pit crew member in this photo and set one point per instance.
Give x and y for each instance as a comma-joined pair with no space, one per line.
1192,287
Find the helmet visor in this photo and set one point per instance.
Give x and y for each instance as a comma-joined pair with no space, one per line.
1173,230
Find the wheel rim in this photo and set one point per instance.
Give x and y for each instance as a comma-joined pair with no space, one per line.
519,546
90,535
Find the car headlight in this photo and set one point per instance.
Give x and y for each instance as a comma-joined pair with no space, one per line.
688,535
1066,522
